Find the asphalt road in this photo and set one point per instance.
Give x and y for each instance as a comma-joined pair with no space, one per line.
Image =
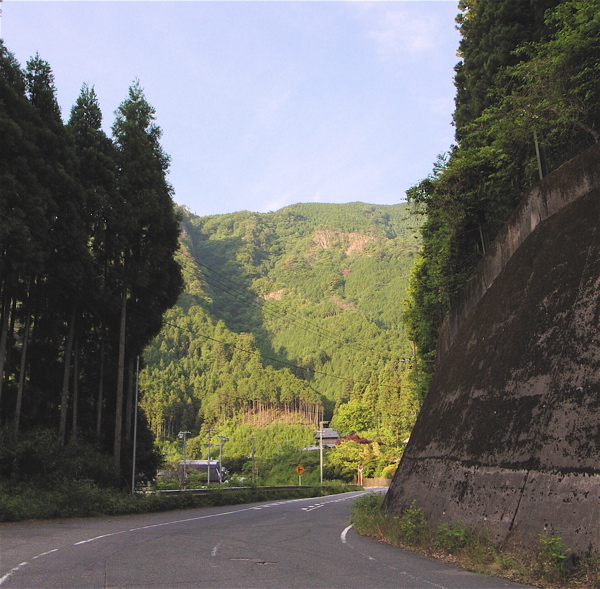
297,544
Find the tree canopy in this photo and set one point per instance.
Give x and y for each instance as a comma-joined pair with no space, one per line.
527,100
289,317
83,236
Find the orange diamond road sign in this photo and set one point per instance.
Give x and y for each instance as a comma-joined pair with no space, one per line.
299,470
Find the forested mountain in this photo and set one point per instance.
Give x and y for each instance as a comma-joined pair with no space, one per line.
88,233
288,317
528,99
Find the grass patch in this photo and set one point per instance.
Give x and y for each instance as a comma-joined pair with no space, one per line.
547,563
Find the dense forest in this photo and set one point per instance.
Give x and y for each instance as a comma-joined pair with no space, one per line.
527,99
289,317
88,235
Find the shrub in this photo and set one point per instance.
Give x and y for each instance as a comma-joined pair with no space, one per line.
366,514
550,565
389,471
553,555
412,524
37,457
450,537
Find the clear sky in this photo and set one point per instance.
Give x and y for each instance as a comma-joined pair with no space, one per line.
263,103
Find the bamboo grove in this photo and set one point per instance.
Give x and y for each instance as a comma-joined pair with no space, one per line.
88,235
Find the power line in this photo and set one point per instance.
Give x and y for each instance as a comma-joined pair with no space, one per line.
289,364
122,274
289,318
257,353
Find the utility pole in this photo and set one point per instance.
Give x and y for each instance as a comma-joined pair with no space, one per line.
252,455
322,423
208,445
223,439
135,419
183,436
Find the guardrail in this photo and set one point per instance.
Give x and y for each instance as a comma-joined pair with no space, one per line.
209,490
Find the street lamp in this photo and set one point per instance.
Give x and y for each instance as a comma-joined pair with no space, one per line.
223,439
183,436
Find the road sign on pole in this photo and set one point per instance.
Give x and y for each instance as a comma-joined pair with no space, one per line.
299,470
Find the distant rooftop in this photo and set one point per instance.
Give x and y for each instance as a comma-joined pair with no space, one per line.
328,433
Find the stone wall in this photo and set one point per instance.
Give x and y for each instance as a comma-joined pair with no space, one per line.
509,435
376,482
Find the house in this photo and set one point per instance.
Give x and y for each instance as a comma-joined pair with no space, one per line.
329,436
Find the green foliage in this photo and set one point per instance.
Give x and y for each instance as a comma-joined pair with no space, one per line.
366,513
553,554
353,417
411,524
38,458
85,499
344,460
280,470
527,83
389,471
268,441
285,318
450,537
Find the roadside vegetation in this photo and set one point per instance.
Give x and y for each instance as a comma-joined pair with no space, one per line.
40,478
527,100
546,563
85,498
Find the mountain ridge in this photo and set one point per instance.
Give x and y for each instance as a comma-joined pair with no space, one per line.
313,292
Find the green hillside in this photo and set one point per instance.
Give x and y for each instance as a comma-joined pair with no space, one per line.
288,317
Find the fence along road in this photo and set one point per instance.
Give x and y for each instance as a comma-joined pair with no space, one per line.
297,543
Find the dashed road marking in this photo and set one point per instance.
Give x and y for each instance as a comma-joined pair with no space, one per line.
9,574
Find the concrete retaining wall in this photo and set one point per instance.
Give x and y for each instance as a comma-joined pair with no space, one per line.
509,435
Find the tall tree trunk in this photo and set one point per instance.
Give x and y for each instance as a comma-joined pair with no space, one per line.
129,401
3,339
120,383
22,370
64,396
75,389
10,339
100,391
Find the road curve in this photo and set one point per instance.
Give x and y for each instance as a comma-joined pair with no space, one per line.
302,543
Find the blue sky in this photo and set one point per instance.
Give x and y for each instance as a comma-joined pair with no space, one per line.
263,103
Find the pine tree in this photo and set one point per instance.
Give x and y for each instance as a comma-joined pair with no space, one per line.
69,261
96,171
151,278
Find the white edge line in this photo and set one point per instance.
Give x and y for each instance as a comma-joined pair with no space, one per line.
99,537
13,570
45,553
343,534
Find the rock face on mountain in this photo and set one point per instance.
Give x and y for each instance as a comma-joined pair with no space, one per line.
509,435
